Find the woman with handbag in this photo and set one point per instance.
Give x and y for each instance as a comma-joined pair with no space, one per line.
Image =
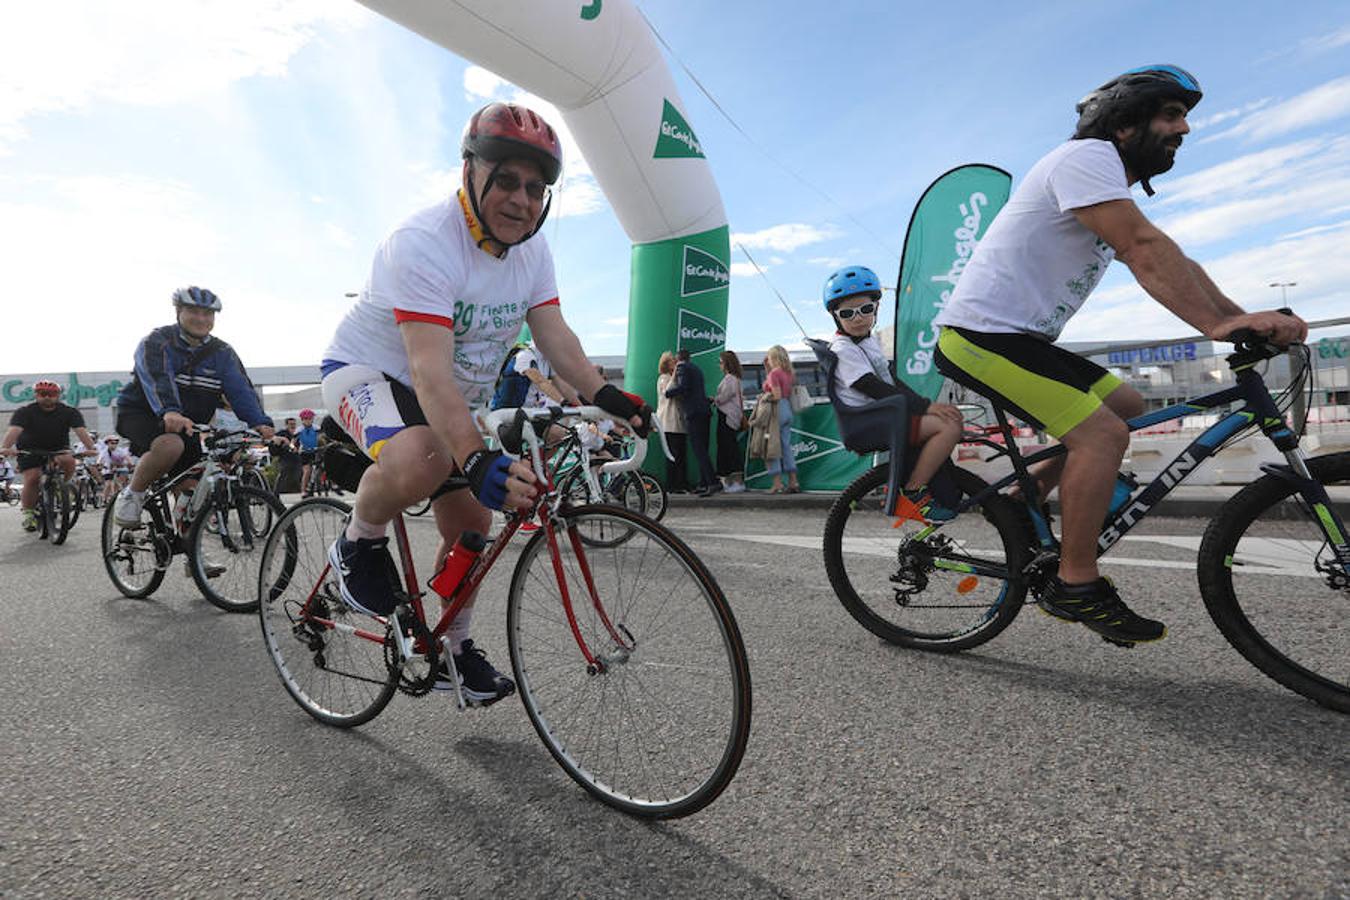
730,421
778,384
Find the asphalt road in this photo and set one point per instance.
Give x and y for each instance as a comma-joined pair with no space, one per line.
149,750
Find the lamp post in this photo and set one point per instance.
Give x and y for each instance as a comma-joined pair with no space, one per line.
1284,287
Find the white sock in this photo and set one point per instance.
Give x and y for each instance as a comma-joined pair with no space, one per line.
458,632
358,530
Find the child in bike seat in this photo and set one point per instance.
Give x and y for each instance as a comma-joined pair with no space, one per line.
852,295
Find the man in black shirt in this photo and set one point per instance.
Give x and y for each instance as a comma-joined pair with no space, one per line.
44,424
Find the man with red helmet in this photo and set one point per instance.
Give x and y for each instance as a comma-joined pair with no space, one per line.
44,424
447,294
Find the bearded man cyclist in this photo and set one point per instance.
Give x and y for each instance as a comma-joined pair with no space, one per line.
422,346
182,375
1040,259
44,424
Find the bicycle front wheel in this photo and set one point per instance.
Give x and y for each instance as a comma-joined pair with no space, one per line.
1272,584
657,725
331,660
914,586
225,545
56,499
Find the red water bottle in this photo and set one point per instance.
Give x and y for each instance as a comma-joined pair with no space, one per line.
457,563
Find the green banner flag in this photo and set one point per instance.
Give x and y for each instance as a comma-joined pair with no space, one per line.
949,220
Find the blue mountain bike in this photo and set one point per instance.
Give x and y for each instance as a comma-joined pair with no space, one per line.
1273,565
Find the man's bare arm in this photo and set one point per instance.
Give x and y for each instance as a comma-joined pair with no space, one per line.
1175,281
431,350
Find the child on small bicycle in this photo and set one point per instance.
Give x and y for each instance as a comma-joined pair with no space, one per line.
863,375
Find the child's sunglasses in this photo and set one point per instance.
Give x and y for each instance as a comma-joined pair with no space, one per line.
865,310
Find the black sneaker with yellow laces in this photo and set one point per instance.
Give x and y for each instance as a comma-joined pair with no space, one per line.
1098,606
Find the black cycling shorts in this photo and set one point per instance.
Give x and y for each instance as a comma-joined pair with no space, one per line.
141,427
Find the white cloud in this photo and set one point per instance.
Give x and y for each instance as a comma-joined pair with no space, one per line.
743,270
1202,122
153,52
1223,220
480,84
1263,170
1324,42
827,262
785,238
338,236
1324,103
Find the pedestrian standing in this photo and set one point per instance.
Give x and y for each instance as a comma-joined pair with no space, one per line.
730,421
778,384
672,423
690,389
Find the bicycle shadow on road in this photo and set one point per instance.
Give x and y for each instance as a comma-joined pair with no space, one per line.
543,835
1252,720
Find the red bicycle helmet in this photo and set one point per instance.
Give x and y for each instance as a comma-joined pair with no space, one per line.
46,385
501,131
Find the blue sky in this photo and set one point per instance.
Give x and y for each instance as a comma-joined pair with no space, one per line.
263,148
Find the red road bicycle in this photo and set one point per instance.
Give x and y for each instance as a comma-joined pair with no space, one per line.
625,652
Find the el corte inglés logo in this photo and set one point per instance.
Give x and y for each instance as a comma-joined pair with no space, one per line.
699,334
676,138
702,272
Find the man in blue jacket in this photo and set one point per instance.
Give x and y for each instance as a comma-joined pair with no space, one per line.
689,388
181,374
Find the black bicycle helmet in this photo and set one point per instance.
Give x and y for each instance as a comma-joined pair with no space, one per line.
196,296
1132,96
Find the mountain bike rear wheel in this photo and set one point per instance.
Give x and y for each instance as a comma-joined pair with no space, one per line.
1273,586
136,558
658,726
917,591
330,659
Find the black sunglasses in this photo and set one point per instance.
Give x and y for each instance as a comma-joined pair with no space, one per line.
510,182
865,310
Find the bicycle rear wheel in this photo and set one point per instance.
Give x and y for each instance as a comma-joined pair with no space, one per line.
330,659
136,558
1271,583
657,498
918,591
659,728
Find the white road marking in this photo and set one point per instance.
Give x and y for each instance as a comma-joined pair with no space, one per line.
1255,555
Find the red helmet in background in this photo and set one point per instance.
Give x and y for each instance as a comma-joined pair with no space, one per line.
306,413
501,131
46,385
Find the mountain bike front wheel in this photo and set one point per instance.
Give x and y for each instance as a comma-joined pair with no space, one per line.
657,725
56,503
916,586
1272,584
225,545
330,659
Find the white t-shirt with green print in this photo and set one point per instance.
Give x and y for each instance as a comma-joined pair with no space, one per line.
1037,263
430,269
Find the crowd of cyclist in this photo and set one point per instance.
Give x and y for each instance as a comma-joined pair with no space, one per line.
450,289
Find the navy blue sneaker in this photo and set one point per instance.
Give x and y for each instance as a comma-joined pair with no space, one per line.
481,683
367,578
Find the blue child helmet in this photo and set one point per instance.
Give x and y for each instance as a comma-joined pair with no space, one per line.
849,282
